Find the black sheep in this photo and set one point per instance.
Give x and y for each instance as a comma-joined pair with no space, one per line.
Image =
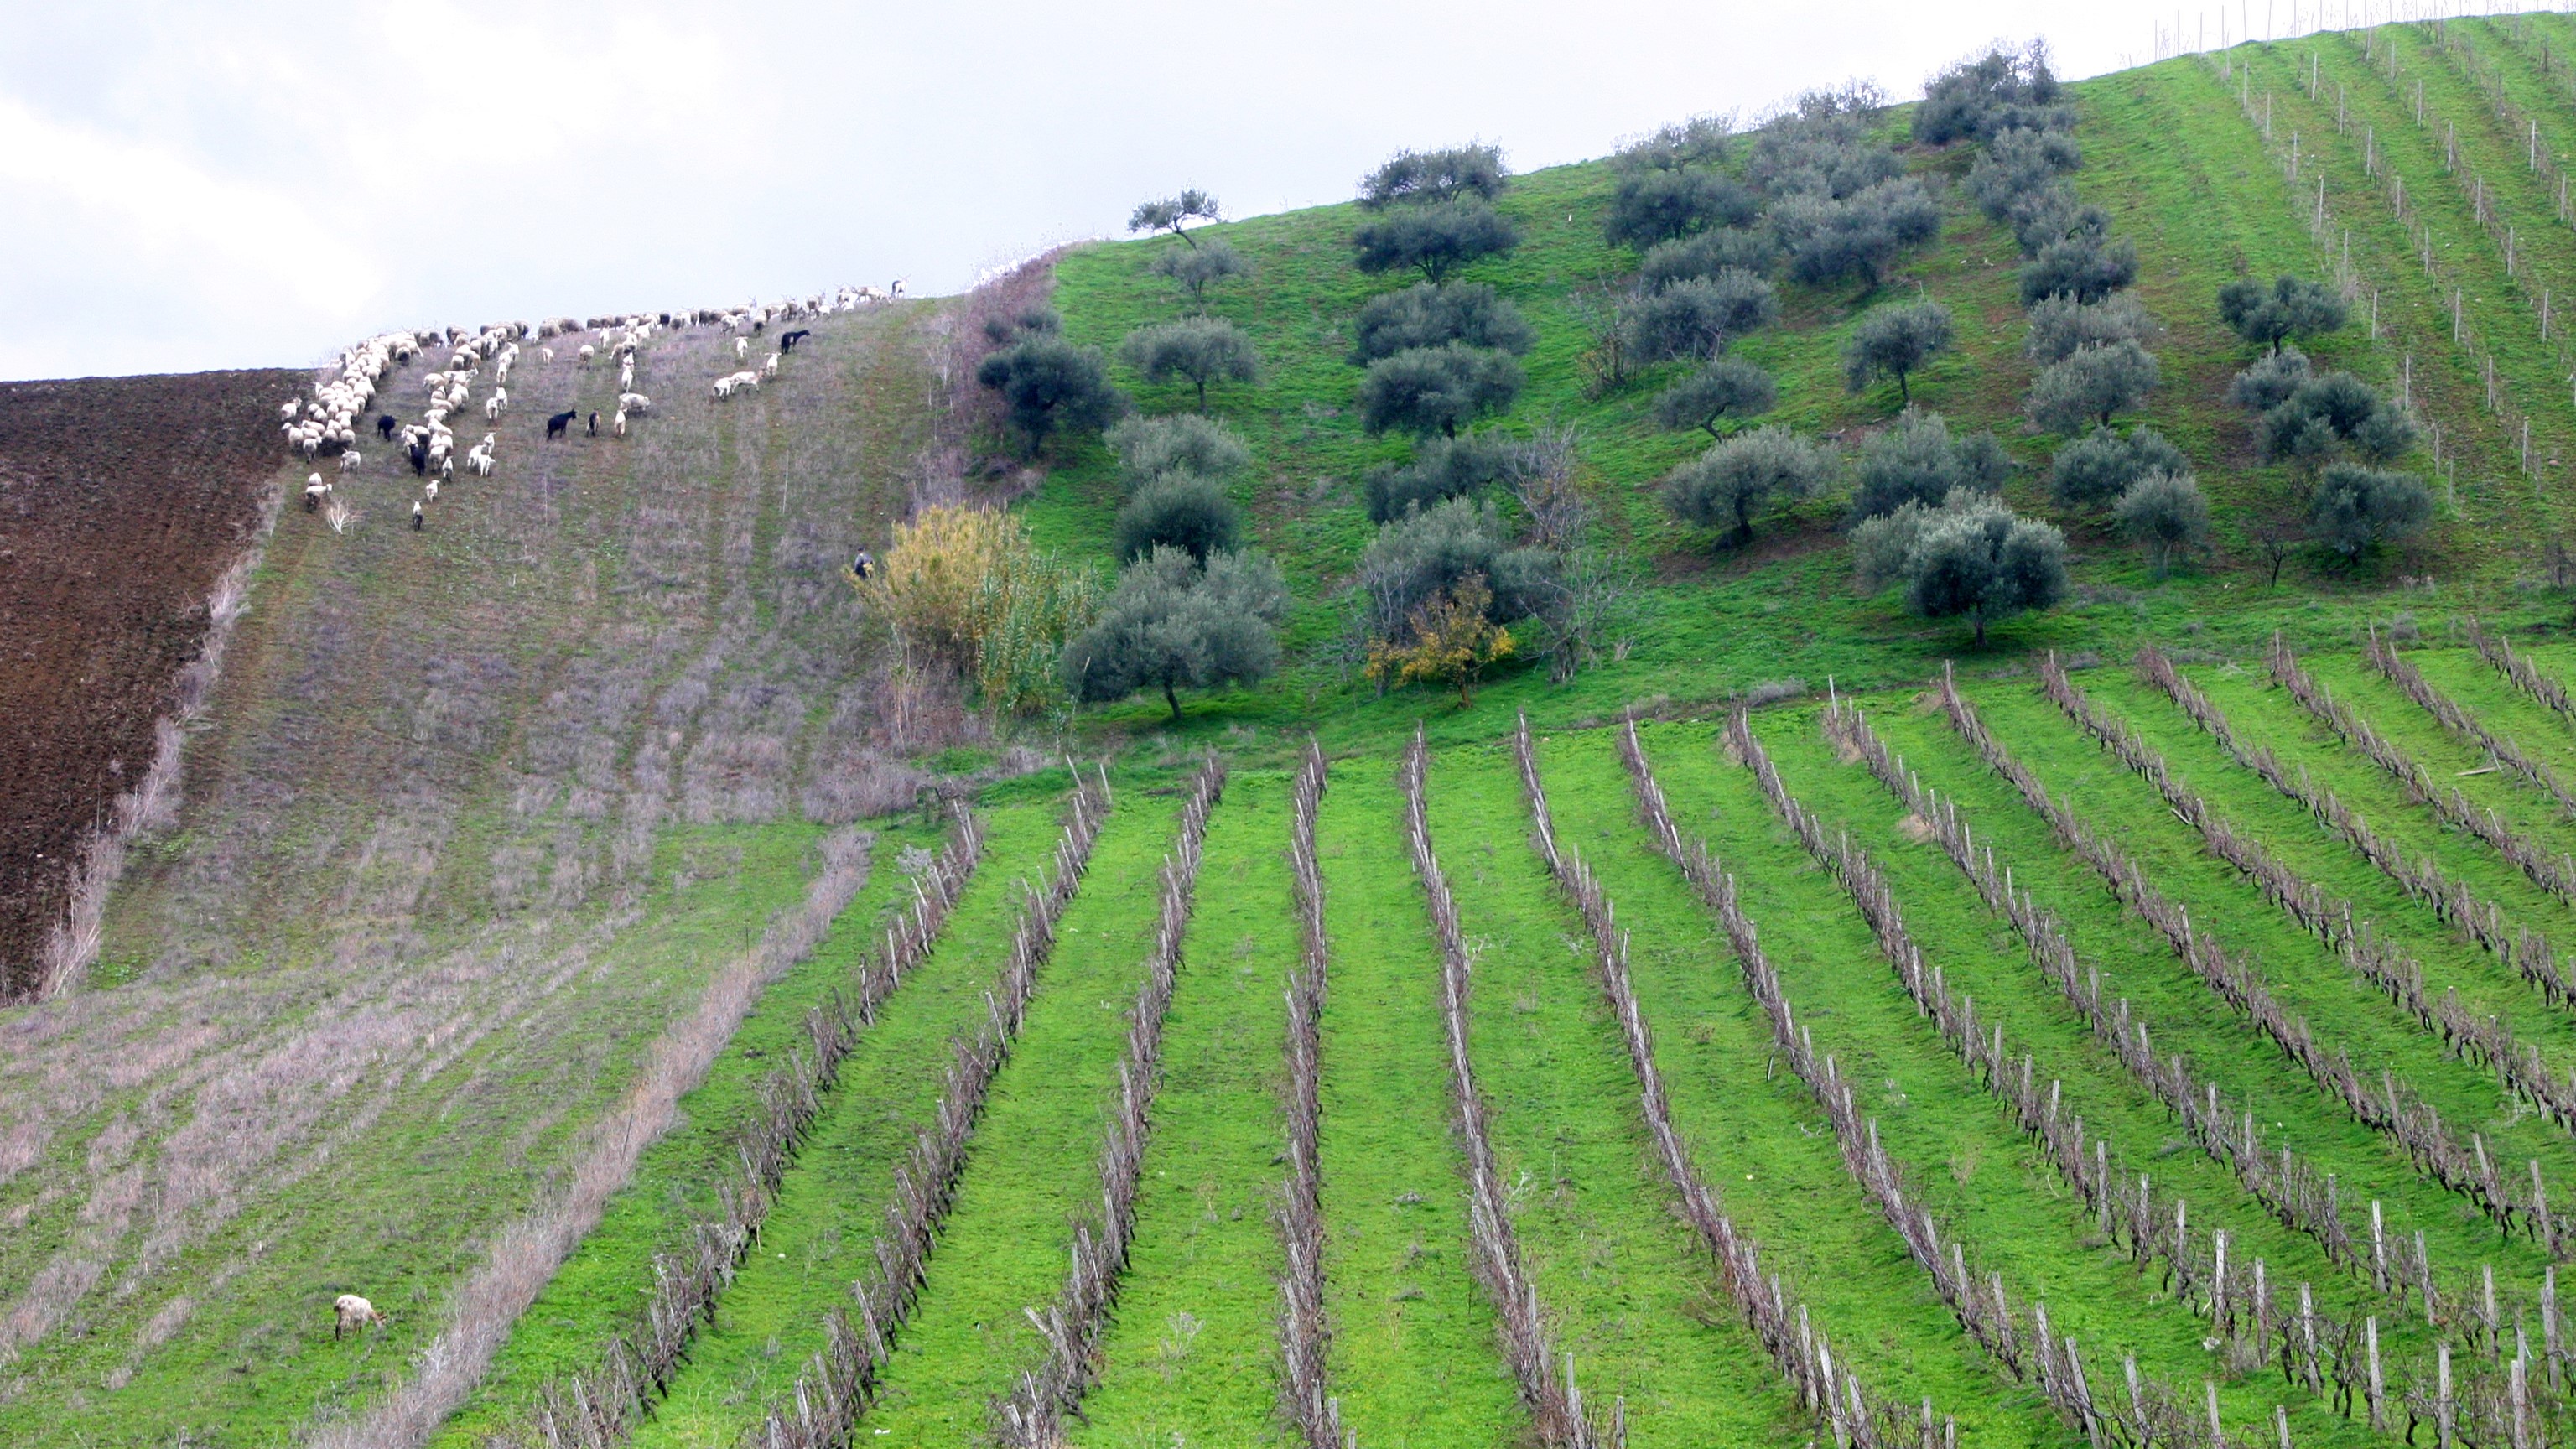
560,421
787,341
385,426
420,457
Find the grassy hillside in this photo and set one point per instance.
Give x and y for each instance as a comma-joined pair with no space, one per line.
518,849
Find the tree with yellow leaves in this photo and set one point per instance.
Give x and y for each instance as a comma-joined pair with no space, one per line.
1448,639
965,593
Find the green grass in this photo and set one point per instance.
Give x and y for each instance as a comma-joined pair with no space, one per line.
1413,1355
1966,1162
1033,1168
2302,974
1194,1351
1628,1290
1758,1140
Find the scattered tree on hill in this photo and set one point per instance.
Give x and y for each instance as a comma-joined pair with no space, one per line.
2290,307
2097,468
1700,141
1178,510
1430,314
1916,460
2090,385
2083,267
1450,639
2061,324
1654,205
1154,447
1050,386
1896,342
1173,213
2325,418
1985,95
1427,390
1726,388
1198,266
1428,551
2166,512
1859,237
1970,556
1700,316
965,594
1435,238
1823,147
2018,162
1172,625
2355,509
1442,469
2044,216
1430,176
1749,249
1200,350
2270,382
1739,477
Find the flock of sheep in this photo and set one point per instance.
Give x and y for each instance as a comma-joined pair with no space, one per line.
329,421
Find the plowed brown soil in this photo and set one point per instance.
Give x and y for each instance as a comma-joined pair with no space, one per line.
121,499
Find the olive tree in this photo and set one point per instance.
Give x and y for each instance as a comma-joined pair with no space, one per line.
1700,316
1751,249
1860,236
1432,176
1896,342
1050,386
1173,213
1654,205
1917,460
2090,385
1442,469
2333,416
1726,388
1429,314
1198,350
1427,390
1971,557
2084,267
2356,509
1178,510
2097,468
1153,447
2289,307
1198,266
1428,551
1173,624
2166,512
1435,238
1990,93
2018,162
2061,324
1739,477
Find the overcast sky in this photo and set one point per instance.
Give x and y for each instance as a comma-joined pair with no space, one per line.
187,186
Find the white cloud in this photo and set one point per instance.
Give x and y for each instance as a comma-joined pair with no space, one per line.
187,186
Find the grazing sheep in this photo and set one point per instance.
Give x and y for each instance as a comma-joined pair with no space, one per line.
349,1312
617,424
741,348
286,410
385,425
560,421
416,523
350,462
314,492
787,342
491,408
634,402
547,353
863,565
587,353
770,368
430,490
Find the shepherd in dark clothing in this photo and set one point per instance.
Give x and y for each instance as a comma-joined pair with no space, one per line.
863,565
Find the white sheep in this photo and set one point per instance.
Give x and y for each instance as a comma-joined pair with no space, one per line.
741,348
634,402
286,411
350,462
587,353
431,489
770,368
547,353
349,1312
618,423
315,490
